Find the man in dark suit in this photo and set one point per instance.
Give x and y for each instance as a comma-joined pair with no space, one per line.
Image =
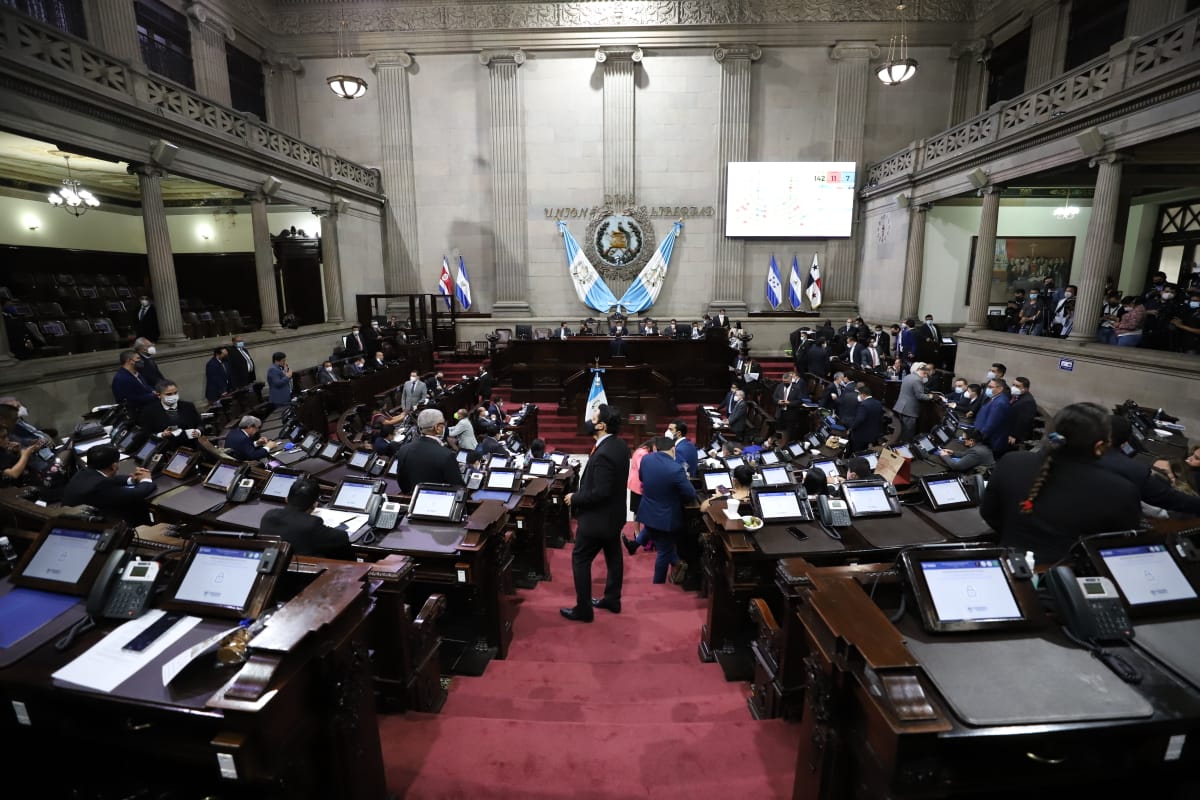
841,399
994,418
649,328
216,375
244,442
867,425
721,320
326,374
665,491
616,345
977,454
435,384
789,395
128,386
855,352
241,364
906,342
146,324
816,359
1024,412
149,371
425,460
484,383
563,332
729,400
672,330
738,420
599,507
169,413
882,343
296,525
617,328
685,452
113,495
354,342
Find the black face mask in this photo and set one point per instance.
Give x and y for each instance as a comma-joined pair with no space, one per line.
590,428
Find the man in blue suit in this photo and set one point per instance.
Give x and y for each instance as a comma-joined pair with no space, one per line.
128,386
867,426
665,490
994,420
685,451
244,443
216,375
279,380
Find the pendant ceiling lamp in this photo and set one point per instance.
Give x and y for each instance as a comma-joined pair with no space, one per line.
899,67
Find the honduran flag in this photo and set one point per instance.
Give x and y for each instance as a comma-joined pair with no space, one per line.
591,289
446,283
774,284
463,284
814,284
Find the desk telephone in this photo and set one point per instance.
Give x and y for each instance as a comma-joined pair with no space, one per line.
385,515
475,480
833,512
1090,607
378,467
123,588
241,487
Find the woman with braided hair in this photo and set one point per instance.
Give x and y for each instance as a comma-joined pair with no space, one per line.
1045,500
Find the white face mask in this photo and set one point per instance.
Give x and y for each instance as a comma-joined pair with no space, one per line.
145,303
1016,390
991,375
22,412
170,400
151,350
1168,295
670,434
329,370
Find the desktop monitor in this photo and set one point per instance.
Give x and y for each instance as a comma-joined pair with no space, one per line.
1146,572
965,590
226,577
781,504
68,554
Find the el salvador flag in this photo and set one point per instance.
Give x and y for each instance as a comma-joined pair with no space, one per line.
774,284
445,283
463,286
593,292
596,397
643,292
795,286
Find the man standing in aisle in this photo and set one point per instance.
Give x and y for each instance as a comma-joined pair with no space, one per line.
414,392
908,405
599,508
665,490
241,365
685,451
279,381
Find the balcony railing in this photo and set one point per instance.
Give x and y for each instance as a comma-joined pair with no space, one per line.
1126,67
73,61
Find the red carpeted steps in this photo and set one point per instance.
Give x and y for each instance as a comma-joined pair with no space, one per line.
619,708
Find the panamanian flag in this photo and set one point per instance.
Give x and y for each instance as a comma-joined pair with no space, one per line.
643,292
593,292
814,284
463,286
795,286
596,397
774,284
446,283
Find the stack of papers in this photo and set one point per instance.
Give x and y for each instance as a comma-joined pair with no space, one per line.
337,519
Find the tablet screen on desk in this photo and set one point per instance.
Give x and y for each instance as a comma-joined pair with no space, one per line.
796,449
1146,573
360,458
330,451
353,495
310,441
946,492
867,501
279,485
233,578
64,557
146,450
970,590
828,466
733,462
497,461
541,467
461,456
559,458
715,480
776,476
220,576
942,435
503,479
904,450
925,444
179,464
222,476
782,505
492,494
769,457
437,503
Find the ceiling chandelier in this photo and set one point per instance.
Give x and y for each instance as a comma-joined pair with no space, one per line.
1066,210
345,85
899,67
72,197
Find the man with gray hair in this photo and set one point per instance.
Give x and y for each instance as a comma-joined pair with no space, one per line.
426,460
244,443
149,372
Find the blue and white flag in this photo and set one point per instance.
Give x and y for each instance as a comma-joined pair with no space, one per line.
596,397
463,286
774,284
593,292
814,285
795,286
445,283
643,292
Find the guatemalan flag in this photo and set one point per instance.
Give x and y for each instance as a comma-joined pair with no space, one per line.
814,284
774,284
596,397
445,282
463,286
795,286
644,290
593,292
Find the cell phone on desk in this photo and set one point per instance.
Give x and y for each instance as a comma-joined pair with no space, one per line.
123,588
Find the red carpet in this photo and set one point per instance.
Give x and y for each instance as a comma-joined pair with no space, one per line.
619,708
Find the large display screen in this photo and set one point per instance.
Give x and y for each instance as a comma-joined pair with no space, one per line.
783,199
970,590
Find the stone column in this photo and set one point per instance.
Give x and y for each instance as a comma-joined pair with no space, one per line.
331,265
1147,15
968,79
619,66
914,262
279,78
158,253
985,258
509,204
733,144
1097,247
1045,60
399,184
852,61
113,27
264,263
208,53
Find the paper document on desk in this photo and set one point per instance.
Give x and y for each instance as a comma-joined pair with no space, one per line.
179,663
105,665
334,519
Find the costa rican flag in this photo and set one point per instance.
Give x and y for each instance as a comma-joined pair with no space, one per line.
774,284
446,283
814,284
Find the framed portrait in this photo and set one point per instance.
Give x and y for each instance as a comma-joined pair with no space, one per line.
1024,261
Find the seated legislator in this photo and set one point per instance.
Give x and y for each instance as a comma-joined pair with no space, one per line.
1153,489
169,413
100,486
326,374
425,460
244,444
563,332
296,525
1044,501
977,454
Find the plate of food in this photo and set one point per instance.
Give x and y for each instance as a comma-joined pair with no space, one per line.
752,523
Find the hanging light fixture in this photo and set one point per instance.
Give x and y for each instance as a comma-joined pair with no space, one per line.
1066,210
899,67
72,197
345,85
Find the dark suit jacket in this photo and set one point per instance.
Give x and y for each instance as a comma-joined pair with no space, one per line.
599,503
130,389
616,346
1024,409
426,461
816,360
324,377
240,373
738,421
883,342
150,372
867,426
907,346
618,330
242,446
216,379
308,535
112,496
485,385
793,393
727,404
855,355
665,489
145,323
354,346
155,418
1153,489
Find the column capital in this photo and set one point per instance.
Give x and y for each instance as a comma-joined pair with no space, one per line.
989,189
321,213
283,61
862,50
620,52
969,47
389,59
202,14
502,55
255,196
737,52
146,170
1107,158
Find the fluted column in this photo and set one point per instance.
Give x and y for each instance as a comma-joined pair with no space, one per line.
985,258
1046,56
283,108
509,205
159,255
914,262
733,144
620,63
968,79
1146,15
264,263
113,27
331,265
208,53
1097,246
396,170
839,275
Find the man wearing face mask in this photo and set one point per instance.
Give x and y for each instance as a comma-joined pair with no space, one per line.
113,495
146,324
1063,316
1110,314
977,454
149,369
1024,412
956,393
972,400
867,425
128,386
326,374
789,396
241,365
414,391
998,370
908,404
1031,321
170,414
216,375
883,343
685,451
1185,328
425,459
354,342
279,380
906,342
928,340
994,419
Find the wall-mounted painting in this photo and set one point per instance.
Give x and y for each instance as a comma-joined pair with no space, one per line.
1023,261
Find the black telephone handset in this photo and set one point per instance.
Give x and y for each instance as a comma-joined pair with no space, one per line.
377,468
241,487
123,587
1089,607
833,512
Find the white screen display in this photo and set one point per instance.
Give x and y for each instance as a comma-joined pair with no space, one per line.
947,493
498,462
769,457
789,198
774,476
330,450
220,576
969,590
147,450
828,467
360,458
778,505
354,495
461,456
63,556
1147,574
540,467
558,458
279,485
795,448
501,480
925,444
867,500
433,503
222,476
733,462
872,459
715,480
179,462
904,450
